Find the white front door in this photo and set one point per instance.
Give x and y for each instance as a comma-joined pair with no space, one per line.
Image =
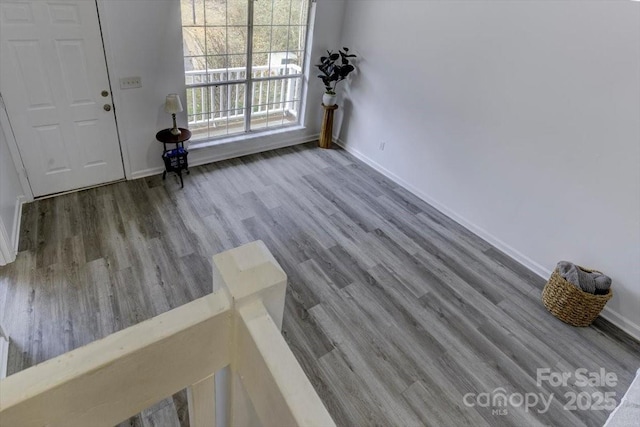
52,77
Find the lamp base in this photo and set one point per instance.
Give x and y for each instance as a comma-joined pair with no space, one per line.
175,130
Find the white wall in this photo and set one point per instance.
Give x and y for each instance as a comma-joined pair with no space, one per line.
519,119
143,38
10,200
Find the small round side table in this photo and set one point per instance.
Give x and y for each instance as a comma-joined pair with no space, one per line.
175,160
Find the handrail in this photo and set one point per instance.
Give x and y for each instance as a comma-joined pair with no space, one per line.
116,377
266,364
234,69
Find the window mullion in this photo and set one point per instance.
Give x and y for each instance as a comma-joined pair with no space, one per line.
248,91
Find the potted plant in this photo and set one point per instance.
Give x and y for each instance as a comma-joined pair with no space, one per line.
335,68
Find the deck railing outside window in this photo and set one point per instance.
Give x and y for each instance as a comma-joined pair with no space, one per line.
273,102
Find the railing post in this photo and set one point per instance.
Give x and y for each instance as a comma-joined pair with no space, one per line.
287,105
268,386
201,398
248,274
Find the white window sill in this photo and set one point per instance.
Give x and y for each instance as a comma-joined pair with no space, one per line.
204,143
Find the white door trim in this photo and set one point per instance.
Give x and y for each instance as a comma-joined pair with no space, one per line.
5,124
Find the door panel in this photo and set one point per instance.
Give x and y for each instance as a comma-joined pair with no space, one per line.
52,74
74,72
17,13
50,139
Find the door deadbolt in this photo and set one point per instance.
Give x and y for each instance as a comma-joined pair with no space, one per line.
107,107
105,93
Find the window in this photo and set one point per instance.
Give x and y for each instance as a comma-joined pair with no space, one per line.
243,61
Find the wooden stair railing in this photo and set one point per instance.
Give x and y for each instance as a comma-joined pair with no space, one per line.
234,332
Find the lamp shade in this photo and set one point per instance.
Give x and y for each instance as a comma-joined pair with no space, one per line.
172,105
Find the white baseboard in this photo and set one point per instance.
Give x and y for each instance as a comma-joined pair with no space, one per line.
621,322
4,353
6,255
146,172
4,356
227,151
612,316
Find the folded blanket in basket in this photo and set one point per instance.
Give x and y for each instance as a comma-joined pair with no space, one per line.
592,282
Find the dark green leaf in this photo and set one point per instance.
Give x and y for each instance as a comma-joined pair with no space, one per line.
344,71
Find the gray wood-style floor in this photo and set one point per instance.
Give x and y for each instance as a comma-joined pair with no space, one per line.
394,311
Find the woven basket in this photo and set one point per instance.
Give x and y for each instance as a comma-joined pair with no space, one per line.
570,304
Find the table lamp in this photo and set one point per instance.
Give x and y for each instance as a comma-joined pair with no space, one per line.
172,105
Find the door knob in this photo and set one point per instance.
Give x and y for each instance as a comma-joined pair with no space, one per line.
107,107
105,93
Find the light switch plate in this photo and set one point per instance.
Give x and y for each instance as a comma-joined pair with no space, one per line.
130,82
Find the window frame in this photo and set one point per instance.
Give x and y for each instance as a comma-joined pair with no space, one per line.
250,80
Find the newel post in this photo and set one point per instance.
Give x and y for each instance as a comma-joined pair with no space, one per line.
253,279
248,274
